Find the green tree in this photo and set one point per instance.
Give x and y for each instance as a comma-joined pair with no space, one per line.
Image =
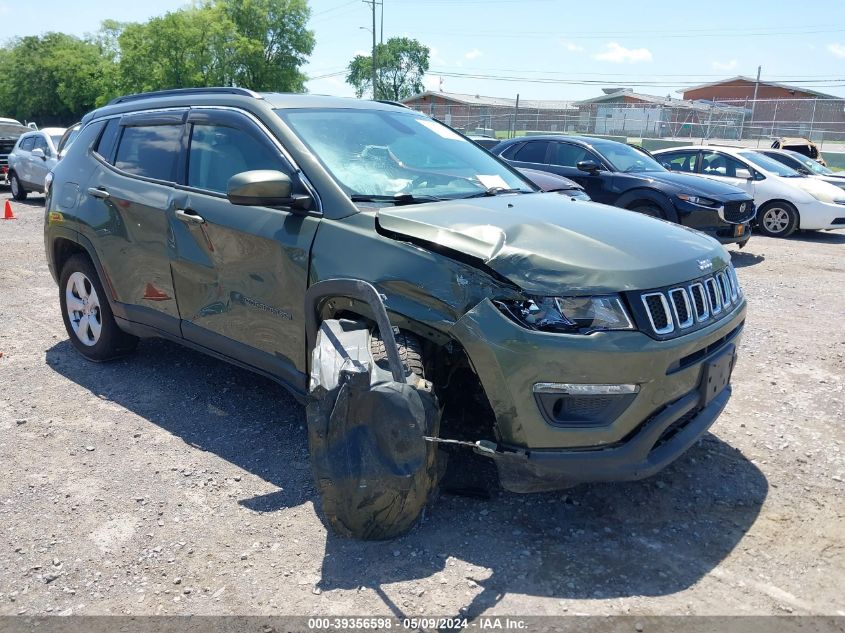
401,63
182,49
271,44
51,79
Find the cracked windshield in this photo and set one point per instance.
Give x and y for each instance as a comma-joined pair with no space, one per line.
382,154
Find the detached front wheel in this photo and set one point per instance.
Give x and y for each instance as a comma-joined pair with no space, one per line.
373,468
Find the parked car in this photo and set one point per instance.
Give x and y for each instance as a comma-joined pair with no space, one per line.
801,145
628,177
786,200
549,182
67,138
408,285
487,142
805,165
33,157
10,131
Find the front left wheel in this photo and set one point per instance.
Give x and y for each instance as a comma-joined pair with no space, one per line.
87,315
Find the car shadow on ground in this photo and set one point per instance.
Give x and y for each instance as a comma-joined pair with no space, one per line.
741,259
649,538
821,237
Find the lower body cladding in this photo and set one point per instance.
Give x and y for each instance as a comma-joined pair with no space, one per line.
610,406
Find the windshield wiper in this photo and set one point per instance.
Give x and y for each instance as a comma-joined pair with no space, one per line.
492,191
397,199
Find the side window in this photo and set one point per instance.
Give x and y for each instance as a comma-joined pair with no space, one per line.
532,152
218,152
510,150
105,146
716,164
568,155
149,150
41,143
27,143
680,161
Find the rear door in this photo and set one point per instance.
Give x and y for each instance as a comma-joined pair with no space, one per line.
131,198
725,168
531,154
684,161
241,272
22,156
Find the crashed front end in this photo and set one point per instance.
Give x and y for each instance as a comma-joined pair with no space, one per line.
617,353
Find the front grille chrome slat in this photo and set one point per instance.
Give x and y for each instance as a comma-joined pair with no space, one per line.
672,310
659,314
682,307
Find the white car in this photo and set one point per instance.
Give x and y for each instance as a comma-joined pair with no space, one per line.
34,157
785,199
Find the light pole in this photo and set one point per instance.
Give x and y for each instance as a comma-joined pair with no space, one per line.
373,58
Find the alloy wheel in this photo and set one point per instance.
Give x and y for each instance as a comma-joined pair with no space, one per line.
776,220
83,309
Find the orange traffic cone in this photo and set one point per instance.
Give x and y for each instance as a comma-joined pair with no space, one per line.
7,212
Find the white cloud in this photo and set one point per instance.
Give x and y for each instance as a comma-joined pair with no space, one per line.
618,54
837,49
473,54
431,82
725,65
572,47
436,58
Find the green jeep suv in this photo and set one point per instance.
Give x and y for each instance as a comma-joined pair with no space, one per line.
421,296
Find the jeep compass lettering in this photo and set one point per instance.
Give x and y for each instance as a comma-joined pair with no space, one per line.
400,280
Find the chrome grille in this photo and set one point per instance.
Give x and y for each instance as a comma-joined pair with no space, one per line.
658,312
695,303
699,297
738,212
682,307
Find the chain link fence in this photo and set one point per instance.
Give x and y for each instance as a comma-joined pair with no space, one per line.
746,120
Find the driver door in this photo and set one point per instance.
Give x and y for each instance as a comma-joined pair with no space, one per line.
240,272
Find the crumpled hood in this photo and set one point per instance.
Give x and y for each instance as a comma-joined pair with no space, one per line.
548,244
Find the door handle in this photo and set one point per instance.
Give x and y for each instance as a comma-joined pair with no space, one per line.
189,215
94,192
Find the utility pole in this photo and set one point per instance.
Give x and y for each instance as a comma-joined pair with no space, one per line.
373,4
754,99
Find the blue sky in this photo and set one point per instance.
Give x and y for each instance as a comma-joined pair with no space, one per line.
664,44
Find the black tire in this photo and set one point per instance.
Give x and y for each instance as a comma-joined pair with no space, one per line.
111,342
777,219
18,192
410,351
381,510
651,210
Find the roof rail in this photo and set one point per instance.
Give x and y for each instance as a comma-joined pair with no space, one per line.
186,91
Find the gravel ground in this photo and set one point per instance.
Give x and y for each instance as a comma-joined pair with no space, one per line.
172,483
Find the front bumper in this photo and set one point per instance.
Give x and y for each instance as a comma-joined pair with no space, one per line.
713,222
821,215
660,441
510,360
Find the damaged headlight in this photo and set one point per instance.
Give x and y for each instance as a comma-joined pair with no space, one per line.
570,314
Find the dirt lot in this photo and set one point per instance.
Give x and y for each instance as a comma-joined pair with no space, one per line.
169,482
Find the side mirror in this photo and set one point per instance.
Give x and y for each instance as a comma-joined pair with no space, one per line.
589,166
39,153
267,188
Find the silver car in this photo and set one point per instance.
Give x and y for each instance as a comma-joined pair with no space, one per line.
33,158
